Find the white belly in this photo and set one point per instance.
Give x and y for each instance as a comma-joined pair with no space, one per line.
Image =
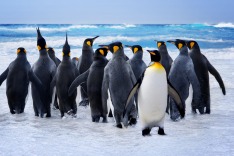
152,99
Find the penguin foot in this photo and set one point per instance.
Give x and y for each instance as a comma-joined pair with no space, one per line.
119,125
161,131
95,118
84,102
104,120
175,117
146,132
201,110
207,111
12,112
48,115
132,121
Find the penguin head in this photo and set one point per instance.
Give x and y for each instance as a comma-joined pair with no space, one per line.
89,41
21,51
178,43
135,48
102,51
75,58
41,43
50,50
66,48
113,47
161,44
192,44
155,55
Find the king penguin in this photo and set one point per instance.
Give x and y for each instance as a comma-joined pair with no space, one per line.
94,77
44,68
18,75
166,61
85,61
118,79
202,68
57,61
66,74
137,63
153,88
181,75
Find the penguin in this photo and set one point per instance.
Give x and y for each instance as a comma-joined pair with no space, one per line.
57,61
66,74
18,75
85,61
94,78
166,61
153,88
51,53
202,68
118,80
75,60
44,68
181,75
137,63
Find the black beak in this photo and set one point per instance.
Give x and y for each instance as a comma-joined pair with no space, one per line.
95,38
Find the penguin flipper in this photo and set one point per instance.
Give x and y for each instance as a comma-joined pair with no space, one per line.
217,76
80,79
174,94
37,82
3,76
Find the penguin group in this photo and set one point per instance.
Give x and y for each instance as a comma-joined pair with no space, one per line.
126,87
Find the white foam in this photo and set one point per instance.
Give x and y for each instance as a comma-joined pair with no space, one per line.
224,25
63,28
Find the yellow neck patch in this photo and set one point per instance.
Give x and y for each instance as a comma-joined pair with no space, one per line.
115,48
101,52
88,43
191,44
18,50
159,44
157,65
38,47
69,54
180,45
135,50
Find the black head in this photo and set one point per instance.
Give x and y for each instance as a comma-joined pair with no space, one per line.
21,50
155,55
41,43
50,50
192,44
66,48
102,51
135,48
160,43
178,43
113,47
89,41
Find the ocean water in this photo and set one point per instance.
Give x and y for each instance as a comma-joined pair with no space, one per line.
211,134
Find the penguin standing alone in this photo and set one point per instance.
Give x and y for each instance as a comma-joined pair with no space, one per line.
85,61
66,74
153,89
18,75
44,68
118,79
202,68
181,75
94,77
